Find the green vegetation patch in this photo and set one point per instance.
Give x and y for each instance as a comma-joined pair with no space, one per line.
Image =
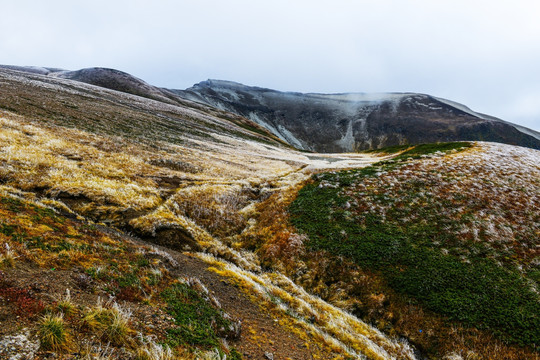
197,322
401,246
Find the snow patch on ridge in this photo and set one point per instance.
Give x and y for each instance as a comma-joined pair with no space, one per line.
281,133
347,141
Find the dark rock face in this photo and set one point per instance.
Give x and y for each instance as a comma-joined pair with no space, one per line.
351,122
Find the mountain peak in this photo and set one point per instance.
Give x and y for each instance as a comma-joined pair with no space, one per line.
357,121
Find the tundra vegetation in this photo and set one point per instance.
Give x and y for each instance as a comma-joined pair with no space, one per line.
66,193
430,248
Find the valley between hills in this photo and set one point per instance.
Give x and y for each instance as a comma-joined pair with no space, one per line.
143,223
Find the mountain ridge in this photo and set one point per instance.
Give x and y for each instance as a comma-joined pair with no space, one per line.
338,122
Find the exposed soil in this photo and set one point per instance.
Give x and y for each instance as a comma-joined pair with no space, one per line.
261,334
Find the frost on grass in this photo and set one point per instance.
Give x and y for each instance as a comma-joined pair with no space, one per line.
342,332
472,213
103,177
489,195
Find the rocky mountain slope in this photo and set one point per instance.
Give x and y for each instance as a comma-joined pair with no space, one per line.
135,228
352,122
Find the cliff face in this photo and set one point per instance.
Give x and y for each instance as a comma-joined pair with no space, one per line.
357,121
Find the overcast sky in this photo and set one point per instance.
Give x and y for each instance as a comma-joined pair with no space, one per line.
484,54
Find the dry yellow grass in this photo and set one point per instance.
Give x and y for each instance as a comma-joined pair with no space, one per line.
53,333
213,204
141,171
109,175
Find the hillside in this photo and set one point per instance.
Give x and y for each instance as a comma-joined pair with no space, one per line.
149,229
188,191
455,235
357,121
106,78
104,111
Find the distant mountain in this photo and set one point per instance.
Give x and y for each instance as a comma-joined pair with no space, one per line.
358,121
119,81
32,69
319,122
106,78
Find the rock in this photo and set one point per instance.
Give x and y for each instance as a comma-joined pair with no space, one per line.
18,347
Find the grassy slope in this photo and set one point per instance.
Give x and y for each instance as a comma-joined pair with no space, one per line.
89,177
437,235
97,110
